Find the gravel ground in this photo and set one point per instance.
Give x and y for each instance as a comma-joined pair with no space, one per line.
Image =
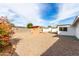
34,43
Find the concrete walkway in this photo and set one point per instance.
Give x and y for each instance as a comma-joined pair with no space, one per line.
64,46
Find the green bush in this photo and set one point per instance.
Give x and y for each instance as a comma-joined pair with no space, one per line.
2,32
3,43
29,25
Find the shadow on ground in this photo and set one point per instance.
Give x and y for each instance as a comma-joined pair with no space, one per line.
15,41
65,46
15,54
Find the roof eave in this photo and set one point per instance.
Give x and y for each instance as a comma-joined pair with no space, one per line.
76,19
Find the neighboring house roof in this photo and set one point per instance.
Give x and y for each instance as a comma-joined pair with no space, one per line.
35,26
75,21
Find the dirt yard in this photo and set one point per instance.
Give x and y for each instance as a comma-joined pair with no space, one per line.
34,43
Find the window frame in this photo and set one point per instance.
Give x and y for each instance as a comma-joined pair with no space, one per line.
63,29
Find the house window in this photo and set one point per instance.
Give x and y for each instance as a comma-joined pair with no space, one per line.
63,29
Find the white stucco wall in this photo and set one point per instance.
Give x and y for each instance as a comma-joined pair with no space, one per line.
54,30
46,29
49,29
77,30
70,31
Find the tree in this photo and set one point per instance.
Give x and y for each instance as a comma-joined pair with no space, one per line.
49,26
29,25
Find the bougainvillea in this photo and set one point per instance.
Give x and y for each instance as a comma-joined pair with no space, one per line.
5,31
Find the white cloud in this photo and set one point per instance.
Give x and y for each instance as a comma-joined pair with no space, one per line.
66,11
29,11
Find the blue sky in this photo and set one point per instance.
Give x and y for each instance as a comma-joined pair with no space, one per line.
48,10
42,14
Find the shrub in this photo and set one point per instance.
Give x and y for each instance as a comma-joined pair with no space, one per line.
29,25
3,43
2,32
5,32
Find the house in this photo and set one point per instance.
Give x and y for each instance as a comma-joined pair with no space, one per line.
69,30
36,28
76,26
65,29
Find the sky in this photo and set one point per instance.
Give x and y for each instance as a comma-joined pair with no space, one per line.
42,14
